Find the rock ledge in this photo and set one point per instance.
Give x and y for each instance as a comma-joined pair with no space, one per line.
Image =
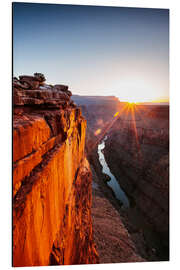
32,91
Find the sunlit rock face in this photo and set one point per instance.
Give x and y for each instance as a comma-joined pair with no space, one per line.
51,183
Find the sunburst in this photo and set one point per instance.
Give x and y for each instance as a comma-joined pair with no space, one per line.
130,111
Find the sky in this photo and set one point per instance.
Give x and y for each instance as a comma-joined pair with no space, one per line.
95,50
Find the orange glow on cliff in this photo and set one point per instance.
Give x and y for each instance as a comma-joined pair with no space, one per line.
116,114
97,132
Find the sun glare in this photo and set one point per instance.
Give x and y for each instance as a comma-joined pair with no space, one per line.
132,103
97,132
132,100
116,114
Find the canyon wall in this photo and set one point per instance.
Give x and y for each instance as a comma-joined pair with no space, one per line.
138,155
51,181
98,112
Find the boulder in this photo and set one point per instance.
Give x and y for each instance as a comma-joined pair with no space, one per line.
18,84
32,81
40,77
61,87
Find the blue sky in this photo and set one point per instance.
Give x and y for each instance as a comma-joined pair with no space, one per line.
95,50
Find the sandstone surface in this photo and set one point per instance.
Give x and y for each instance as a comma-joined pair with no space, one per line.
52,195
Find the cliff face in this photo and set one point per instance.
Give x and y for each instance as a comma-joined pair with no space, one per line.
51,181
98,111
139,158
143,159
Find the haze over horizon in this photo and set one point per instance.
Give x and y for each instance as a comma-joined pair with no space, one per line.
108,51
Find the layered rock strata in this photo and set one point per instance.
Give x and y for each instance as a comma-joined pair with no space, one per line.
137,153
51,180
140,162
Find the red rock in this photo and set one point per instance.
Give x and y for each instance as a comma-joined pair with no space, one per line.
49,98
61,87
40,77
52,189
32,81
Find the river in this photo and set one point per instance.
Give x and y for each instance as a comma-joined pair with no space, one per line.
112,183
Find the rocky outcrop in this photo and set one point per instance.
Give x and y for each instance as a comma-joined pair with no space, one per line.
51,179
29,82
31,91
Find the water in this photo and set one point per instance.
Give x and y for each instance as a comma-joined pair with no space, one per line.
113,183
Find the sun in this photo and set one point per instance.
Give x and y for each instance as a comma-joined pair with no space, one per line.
131,100
132,103
134,100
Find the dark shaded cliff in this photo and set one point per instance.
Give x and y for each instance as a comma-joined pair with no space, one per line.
137,153
51,178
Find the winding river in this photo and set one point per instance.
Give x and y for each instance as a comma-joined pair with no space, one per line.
112,183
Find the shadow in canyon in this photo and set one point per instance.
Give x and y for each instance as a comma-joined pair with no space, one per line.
128,149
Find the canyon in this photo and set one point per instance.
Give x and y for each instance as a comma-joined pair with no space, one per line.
65,211
139,158
136,151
